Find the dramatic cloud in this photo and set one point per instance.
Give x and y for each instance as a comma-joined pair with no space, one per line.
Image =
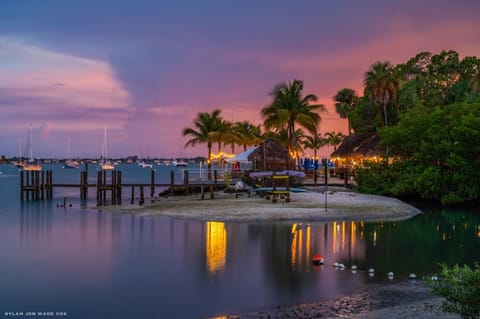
40,87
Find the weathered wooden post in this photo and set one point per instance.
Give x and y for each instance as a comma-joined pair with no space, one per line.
211,192
152,183
99,184
185,182
50,184
202,193
37,185
326,182
21,185
113,187
274,188
119,186
42,185
142,198
172,183
83,185
32,183
104,191
215,178
132,195
289,179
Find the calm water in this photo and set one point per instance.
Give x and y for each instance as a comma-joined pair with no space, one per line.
94,264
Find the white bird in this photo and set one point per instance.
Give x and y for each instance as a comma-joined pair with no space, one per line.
412,276
335,265
390,275
371,270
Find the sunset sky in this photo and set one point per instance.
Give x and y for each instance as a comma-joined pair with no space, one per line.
144,69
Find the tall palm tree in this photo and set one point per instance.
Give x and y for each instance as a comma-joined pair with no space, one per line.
289,108
334,138
207,125
247,133
345,101
314,142
381,85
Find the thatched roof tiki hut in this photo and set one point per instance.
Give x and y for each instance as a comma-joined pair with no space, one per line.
271,155
357,148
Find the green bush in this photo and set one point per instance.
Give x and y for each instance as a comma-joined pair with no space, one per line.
461,288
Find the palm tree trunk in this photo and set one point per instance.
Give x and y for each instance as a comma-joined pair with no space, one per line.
209,163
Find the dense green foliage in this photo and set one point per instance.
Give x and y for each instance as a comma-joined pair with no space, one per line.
437,156
433,132
461,288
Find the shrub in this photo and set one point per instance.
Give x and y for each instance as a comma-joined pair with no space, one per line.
461,288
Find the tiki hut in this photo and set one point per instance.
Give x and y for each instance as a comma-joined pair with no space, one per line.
357,148
271,155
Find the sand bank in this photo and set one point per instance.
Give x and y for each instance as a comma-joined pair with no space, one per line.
342,204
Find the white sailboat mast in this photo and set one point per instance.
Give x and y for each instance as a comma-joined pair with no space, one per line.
30,145
105,144
19,149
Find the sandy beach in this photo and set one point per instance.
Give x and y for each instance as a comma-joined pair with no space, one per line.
342,204
403,300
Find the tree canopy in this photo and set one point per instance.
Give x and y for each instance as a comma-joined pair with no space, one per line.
435,136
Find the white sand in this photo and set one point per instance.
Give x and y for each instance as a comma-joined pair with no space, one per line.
342,204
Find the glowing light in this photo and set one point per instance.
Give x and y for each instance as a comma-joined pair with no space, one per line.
220,155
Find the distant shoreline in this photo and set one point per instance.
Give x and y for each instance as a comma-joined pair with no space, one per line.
342,204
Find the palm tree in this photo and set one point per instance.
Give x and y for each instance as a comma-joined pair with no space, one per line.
288,108
381,85
345,101
247,134
314,142
334,138
207,127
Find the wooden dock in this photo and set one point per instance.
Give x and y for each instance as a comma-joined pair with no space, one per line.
109,187
39,185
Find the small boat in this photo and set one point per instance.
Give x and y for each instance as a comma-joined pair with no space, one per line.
145,165
165,163
69,163
180,163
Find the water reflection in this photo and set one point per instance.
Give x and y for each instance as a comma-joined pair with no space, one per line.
216,246
89,255
35,223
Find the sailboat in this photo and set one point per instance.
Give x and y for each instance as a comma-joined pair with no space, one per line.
105,164
30,166
69,163
19,163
